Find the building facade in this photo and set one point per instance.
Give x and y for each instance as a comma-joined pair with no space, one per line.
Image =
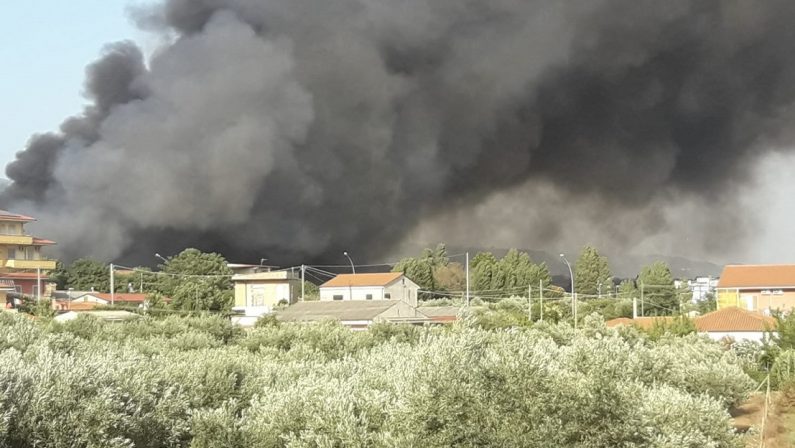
24,269
762,288
377,286
266,289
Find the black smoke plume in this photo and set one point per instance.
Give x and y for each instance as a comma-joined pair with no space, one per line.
299,128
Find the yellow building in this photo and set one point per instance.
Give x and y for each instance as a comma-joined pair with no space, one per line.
23,267
266,289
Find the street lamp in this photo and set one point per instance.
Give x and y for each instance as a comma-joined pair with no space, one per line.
161,257
573,294
353,269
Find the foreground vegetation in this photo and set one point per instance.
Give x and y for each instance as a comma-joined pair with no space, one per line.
201,382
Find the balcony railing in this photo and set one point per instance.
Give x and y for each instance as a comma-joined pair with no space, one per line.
23,240
28,264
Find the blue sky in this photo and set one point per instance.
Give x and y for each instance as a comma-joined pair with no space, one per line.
44,49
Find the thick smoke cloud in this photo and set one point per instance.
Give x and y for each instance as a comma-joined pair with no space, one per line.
299,128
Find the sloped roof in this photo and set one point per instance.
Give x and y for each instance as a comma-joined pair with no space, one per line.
370,279
733,319
730,319
758,276
122,297
8,216
343,310
441,313
42,242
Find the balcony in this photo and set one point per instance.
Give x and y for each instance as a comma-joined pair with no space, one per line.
29,264
21,240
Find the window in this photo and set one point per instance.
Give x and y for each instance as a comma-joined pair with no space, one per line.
387,296
369,297
337,297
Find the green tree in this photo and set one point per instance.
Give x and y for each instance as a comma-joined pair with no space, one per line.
482,267
659,293
422,269
199,294
627,290
196,280
85,274
592,273
311,291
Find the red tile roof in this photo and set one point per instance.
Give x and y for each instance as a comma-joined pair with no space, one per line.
727,320
377,279
733,319
758,276
123,297
42,241
8,216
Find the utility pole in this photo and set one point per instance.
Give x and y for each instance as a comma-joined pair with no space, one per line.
541,297
303,281
467,275
112,286
530,303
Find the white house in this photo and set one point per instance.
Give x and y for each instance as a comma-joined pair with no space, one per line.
378,286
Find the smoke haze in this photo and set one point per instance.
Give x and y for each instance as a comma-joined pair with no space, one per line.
295,129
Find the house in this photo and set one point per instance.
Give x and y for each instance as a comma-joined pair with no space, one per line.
731,322
266,289
761,287
735,323
702,286
376,286
92,300
23,267
355,314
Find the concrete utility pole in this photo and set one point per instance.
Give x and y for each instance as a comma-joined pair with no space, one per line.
530,303
112,286
467,275
303,281
38,284
541,297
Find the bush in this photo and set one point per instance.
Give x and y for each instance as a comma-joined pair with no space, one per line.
181,382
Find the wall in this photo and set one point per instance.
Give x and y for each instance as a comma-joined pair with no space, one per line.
405,290
738,335
267,292
359,292
755,300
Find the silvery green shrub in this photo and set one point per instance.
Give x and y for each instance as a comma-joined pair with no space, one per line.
198,382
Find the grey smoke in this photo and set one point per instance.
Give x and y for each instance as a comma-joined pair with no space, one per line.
299,128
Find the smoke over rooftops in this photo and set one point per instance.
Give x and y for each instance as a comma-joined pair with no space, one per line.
298,128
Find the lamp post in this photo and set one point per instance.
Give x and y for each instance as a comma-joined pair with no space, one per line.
353,269
573,294
161,257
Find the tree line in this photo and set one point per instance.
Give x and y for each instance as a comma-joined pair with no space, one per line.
511,275
193,280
